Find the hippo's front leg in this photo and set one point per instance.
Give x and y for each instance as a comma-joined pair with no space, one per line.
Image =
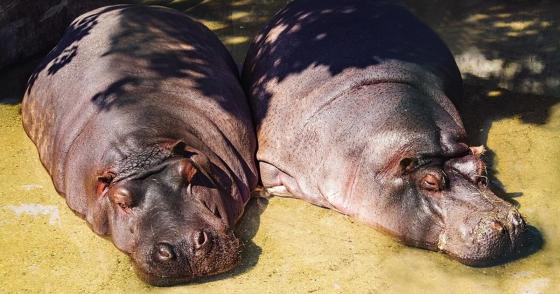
279,183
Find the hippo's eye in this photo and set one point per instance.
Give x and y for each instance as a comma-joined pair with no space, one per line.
122,197
408,164
432,182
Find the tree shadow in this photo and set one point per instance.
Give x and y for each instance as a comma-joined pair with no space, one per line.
302,37
67,49
511,42
14,80
235,22
485,102
136,42
29,27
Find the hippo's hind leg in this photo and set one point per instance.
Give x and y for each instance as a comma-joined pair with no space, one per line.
278,183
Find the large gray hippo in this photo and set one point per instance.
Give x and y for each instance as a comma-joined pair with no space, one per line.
353,102
141,121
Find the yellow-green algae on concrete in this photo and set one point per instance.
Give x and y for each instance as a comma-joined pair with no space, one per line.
291,246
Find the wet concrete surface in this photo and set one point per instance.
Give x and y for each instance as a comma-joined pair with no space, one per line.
507,52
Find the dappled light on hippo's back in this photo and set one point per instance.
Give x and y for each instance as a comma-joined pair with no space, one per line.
511,106
235,22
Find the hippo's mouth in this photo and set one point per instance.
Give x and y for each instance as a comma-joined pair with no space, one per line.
162,281
491,242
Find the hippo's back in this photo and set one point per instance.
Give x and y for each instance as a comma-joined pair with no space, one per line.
314,48
117,63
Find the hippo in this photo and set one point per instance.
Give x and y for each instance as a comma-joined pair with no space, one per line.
353,103
140,119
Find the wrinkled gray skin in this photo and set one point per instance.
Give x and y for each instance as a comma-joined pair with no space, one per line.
141,121
353,104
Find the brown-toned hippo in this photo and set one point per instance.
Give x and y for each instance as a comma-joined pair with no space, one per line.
353,107
141,121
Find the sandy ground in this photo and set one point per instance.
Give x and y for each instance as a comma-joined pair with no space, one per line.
507,52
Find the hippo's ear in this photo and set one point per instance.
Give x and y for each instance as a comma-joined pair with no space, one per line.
194,173
96,214
187,169
196,162
174,146
178,147
478,150
407,165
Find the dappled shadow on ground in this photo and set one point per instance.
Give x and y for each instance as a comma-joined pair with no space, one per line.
485,102
14,80
514,43
30,27
236,22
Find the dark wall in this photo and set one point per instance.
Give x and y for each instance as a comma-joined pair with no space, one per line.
30,27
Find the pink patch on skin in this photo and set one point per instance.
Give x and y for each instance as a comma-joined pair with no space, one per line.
478,150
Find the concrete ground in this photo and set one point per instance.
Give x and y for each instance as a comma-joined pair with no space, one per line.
508,54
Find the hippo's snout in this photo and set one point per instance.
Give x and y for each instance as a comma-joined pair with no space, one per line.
485,238
201,253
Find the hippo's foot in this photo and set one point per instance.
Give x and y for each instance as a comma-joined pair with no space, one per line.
279,183
281,191
262,193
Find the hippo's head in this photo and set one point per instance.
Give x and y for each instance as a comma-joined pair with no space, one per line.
450,208
172,220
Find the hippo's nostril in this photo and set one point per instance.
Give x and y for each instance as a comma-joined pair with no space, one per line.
517,226
515,218
164,252
200,239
